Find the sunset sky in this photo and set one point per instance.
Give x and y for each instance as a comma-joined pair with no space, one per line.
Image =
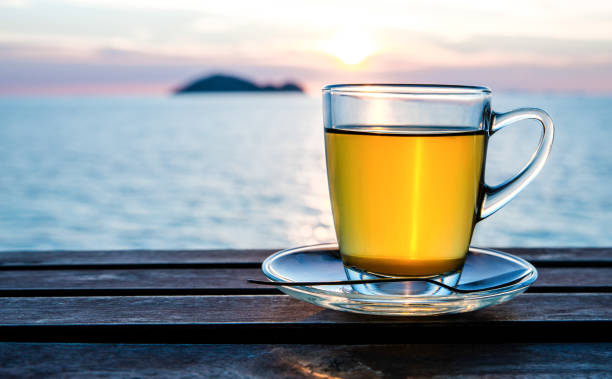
149,46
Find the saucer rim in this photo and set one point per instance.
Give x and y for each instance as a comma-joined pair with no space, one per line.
452,297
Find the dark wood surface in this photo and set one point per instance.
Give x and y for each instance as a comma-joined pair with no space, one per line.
36,360
276,318
578,279
254,257
71,312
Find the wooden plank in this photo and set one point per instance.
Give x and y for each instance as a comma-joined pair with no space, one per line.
278,318
133,257
134,278
276,309
551,279
253,256
550,257
25,360
563,279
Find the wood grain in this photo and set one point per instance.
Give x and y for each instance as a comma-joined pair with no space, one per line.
250,256
123,257
591,279
276,309
35,360
131,278
278,318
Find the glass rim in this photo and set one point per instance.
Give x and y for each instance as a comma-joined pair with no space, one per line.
406,89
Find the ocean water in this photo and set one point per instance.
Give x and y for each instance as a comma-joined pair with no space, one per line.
248,171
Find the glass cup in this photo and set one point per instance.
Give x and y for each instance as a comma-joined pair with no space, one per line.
405,166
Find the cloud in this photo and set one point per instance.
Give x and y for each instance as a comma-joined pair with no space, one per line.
564,49
168,41
31,77
593,78
13,3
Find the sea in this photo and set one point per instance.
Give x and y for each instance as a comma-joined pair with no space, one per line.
248,171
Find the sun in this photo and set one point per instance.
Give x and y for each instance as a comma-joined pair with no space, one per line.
350,46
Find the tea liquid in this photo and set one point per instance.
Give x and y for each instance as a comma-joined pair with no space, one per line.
405,204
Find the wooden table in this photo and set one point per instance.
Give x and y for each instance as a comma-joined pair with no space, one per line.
192,313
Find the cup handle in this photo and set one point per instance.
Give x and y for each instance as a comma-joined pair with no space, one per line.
495,197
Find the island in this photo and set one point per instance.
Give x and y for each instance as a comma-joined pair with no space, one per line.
226,83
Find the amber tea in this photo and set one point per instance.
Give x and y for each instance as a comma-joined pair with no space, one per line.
405,204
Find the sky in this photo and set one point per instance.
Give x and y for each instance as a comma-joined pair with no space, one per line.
65,47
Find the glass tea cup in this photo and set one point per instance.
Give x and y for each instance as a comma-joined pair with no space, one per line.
405,166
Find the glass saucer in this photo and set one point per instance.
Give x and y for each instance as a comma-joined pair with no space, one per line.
323,263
